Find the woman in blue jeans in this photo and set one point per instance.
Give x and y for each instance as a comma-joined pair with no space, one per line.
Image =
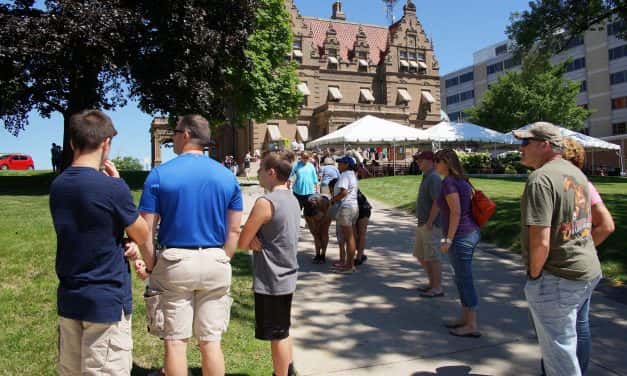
461,237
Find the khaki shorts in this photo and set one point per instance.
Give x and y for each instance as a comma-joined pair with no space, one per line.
347,215
89,348
325,190
194,299
427,246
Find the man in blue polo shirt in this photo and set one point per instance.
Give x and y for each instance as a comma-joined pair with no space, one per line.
199,205
91,210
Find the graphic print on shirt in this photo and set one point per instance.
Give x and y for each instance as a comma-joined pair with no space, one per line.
581,221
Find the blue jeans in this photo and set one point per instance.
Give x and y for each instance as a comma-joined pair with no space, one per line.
555,303
583,338
460,254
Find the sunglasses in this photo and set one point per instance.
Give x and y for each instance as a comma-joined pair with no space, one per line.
527,141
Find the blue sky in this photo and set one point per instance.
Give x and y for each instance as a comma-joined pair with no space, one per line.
457,28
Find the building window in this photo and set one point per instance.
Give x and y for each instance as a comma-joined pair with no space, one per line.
494,68
466,95
618,77
451,82
583,86
404,66
618,103
455,116
512,62
333,62
412,56
452,99
617,52
574,42
298,56
576,64
619,128
466,77
403,54
500,50
422,56
297,44
616,27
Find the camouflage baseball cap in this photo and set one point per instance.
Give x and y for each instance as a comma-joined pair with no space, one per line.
541,131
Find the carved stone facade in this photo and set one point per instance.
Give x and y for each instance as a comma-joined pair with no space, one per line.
348,70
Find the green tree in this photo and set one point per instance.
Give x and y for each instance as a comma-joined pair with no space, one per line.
550,25
538,92
127,163
267,86
172,56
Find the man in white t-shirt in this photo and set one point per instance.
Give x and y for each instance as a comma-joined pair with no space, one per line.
345,194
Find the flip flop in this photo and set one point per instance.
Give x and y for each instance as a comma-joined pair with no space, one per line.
452,325
467,335
424,288
431,294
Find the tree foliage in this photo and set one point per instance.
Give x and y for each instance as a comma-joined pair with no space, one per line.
537,93
268,86
549,25
127,163
172,56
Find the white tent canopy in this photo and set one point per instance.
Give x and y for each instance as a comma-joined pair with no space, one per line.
589,143
371,130
464,132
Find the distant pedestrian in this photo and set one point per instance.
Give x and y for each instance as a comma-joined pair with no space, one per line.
557,245
53,157
271,231
360,228
345,199
306,178
460,238
247,158
328,172
428,231
91,210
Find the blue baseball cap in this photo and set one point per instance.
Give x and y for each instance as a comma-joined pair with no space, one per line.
348,160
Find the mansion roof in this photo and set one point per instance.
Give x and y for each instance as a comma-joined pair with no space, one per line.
376,36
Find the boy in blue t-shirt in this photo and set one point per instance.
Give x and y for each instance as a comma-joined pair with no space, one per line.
91,210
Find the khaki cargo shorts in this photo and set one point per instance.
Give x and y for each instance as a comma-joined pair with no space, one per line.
90,348
193,294
427,245
347,215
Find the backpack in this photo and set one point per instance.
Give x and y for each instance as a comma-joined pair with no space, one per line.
482,207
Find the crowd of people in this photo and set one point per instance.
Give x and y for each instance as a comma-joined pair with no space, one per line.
194,207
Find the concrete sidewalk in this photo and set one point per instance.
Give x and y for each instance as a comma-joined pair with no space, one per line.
374,322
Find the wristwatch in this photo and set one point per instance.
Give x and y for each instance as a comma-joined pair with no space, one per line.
446,241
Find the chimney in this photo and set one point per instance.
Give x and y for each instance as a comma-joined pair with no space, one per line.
337,11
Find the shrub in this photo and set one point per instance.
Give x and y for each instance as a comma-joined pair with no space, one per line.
510,169
474,162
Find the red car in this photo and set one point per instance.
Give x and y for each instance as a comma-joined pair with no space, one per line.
16,162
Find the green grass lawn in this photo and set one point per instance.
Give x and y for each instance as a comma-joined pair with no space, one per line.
504,228
28,320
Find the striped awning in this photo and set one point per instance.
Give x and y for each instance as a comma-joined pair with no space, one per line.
334,93
427,97
404,63
302,87
413,64
298,53
274,133
332,60
422,65
363,63
404,96
302,132
366,95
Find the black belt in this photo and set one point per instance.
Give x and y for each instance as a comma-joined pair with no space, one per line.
194,247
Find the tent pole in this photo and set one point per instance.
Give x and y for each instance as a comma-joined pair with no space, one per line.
393,159
621,155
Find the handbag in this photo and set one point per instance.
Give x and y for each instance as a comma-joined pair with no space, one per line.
482,207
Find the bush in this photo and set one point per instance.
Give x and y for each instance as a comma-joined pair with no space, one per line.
509,169
474,162
127,164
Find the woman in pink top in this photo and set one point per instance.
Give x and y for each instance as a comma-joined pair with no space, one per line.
602,227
